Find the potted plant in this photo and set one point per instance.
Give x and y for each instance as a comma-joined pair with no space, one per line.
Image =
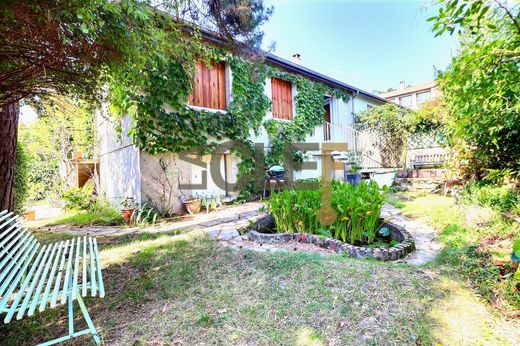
212,202
353,175
192,204
127,208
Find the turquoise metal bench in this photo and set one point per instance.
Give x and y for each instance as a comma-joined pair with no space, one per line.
35,277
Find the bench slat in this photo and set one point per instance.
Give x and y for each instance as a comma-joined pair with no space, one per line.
26,261
98,265
58,277
76,270
8,251
39,289
35,281
9,233
93,287
67,273
84,290
45,297
30,276
22,255
6,217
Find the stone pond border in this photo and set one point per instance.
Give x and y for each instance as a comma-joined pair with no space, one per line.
406,243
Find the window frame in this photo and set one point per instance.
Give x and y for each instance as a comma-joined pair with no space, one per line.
406,96
226,85
292,92
429,92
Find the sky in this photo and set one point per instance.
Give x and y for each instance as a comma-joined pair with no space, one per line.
371,44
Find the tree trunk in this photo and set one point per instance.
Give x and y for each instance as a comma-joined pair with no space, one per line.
8,137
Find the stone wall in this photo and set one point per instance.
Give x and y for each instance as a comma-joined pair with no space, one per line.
406,243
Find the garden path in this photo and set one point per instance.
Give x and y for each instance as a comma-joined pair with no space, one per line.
426,246
221,224
224,225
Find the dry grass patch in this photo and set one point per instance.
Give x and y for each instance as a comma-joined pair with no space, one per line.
188,290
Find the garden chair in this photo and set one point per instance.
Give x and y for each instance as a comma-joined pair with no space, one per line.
35,277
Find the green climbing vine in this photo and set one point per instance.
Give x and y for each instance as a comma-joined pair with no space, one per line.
310,113
163,122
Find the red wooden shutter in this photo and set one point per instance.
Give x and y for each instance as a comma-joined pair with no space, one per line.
282,99
209,86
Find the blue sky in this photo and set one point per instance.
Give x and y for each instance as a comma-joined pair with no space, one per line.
371,44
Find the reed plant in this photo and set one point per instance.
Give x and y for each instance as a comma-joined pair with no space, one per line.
357,209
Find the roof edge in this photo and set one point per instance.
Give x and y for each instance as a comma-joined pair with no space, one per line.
299,69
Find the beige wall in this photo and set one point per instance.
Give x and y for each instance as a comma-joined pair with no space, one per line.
434,93
160,187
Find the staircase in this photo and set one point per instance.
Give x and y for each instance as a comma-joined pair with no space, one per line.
361,149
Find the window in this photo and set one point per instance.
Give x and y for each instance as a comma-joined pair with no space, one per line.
423,97
282,99
405,101
209,86
327,119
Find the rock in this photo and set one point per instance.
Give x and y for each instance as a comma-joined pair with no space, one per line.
228,234
378,254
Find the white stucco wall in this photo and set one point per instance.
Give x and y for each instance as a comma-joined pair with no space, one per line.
118,160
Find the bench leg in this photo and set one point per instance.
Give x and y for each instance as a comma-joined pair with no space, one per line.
91,327
90,330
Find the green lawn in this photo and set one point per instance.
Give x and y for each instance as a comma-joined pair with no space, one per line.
188,290
474,239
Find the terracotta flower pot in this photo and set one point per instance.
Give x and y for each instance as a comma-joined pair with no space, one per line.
30,215
127,214
193,206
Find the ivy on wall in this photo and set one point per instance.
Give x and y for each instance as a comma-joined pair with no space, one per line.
310,112
163,122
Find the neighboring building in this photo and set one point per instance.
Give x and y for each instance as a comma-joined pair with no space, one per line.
412,96
126,171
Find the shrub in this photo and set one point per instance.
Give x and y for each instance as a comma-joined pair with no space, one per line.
500,198
100,213
78,198
20,179
357,209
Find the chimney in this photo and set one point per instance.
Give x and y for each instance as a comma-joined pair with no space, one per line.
402,85
297,58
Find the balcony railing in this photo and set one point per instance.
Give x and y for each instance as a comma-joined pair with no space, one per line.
342,134
360,144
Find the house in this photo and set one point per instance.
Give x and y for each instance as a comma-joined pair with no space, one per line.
165,179
413,96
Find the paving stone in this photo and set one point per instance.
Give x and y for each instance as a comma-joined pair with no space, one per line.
228,234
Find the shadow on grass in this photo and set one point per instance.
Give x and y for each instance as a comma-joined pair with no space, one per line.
188,290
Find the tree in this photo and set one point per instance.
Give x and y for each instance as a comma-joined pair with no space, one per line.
72,47
389,125
481,85
64,127
20,179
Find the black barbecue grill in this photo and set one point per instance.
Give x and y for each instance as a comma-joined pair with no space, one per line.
275,176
